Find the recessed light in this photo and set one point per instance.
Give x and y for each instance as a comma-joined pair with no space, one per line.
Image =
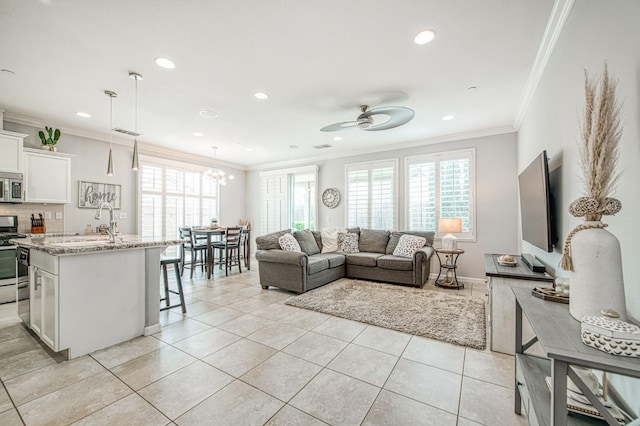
424,37
165,63
83,114
261,95
337,138
207,113
448,117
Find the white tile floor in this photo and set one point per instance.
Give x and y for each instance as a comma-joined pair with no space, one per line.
242,357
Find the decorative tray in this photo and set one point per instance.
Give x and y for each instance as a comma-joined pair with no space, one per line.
550,294
507,261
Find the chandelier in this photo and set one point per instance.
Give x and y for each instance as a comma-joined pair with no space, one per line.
216,173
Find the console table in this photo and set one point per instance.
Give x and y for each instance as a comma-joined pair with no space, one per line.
559,336
501,279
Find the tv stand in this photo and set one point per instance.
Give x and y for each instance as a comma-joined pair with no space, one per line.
534,264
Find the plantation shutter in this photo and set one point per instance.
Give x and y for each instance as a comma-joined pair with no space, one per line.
273,203
421,193
371,195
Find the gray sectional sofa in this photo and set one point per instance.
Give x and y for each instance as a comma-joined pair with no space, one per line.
305,270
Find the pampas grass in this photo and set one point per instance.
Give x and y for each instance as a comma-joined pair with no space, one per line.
601,133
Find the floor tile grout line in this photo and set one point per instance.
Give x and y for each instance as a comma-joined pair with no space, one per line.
15,407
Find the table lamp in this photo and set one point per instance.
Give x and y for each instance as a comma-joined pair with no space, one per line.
450,225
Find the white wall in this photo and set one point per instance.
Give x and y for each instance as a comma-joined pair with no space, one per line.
496,195
90,164
597,31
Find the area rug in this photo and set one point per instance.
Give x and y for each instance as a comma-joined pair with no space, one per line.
433,314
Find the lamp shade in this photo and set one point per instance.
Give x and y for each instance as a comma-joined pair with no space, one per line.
450,225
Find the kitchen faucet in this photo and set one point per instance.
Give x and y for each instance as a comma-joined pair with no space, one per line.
112,221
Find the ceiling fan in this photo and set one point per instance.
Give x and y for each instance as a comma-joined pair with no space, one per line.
397,117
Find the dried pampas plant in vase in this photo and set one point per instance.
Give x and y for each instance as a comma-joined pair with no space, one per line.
591,253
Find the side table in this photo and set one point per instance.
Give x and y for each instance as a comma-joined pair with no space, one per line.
449,265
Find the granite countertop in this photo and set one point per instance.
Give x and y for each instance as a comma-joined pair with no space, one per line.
64,245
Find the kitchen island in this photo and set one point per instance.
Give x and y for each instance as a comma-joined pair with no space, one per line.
86,293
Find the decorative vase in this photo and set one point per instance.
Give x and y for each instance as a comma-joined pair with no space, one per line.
53,148
45,147
596,280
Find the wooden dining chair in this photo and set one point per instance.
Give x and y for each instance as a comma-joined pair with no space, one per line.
230,246
194,246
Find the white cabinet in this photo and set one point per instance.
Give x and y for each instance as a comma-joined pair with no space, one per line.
47,177
44,306
11,147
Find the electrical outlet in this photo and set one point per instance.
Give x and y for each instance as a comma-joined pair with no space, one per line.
58,215
123,215
47,215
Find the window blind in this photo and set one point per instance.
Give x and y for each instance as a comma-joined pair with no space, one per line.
371,195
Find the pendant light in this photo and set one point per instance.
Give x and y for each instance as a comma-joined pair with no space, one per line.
216,173
111,94
134,163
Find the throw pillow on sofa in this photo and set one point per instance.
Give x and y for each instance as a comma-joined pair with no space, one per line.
373,240
348,242
289,243
408,245
270,241
330,239
307,242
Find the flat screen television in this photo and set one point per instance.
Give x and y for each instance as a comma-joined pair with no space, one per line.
537,205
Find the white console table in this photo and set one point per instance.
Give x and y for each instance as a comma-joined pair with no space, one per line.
559,336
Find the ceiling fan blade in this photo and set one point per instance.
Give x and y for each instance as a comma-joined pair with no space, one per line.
339,126
397,117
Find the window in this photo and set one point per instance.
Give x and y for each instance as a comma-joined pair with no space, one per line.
441,185
288,199
172,196
371,195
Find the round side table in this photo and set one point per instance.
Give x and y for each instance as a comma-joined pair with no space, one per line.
449,265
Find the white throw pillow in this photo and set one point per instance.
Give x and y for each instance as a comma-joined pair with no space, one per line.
409,244
330,239
289,243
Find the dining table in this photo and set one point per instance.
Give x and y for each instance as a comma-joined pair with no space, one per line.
210,232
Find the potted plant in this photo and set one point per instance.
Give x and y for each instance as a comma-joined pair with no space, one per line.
50,139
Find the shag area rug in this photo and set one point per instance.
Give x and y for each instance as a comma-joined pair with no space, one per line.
434,314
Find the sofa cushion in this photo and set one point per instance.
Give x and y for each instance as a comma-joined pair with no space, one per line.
317,264
395,263
317,235
355,230
270,241
334,259
289,243
330,239
373,241
395,237
408,244
348,243
363,259
307,242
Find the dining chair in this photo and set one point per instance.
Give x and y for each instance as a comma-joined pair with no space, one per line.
194,246
230,246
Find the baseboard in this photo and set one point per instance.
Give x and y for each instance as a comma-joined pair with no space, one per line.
464,279
152,329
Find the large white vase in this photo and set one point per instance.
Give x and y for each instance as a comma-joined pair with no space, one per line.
596,282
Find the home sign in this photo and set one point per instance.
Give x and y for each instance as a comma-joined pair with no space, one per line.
91,194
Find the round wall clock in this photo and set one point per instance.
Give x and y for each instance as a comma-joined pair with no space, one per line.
331,197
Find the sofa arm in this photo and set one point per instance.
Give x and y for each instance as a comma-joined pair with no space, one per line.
282,256
423,255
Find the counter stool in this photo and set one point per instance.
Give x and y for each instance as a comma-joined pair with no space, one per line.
164,261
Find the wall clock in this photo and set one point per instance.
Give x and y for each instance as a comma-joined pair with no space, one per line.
331,197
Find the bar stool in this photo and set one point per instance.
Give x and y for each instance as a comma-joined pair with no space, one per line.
175,261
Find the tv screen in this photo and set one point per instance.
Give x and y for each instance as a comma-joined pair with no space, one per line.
536,204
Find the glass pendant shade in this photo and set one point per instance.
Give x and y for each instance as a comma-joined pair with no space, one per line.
110,164
134,161
111,94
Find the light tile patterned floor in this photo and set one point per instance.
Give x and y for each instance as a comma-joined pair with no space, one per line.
242,357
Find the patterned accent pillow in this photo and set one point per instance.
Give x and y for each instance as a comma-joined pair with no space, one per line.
348,242
409,244
330,239
289,243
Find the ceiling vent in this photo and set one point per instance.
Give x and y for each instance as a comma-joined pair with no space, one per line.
323,146
126,132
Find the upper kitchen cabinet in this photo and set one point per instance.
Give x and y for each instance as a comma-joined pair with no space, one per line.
11,147
47,177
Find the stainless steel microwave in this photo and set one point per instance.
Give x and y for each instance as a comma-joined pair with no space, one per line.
11,188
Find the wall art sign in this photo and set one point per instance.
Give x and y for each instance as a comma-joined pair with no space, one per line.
91,194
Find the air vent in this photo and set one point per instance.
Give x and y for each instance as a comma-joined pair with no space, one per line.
126,132
323,146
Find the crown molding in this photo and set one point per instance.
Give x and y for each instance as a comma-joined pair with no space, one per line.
557,19
396,146
144,147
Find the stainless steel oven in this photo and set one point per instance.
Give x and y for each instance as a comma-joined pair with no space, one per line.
11,188
8,274
22,288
